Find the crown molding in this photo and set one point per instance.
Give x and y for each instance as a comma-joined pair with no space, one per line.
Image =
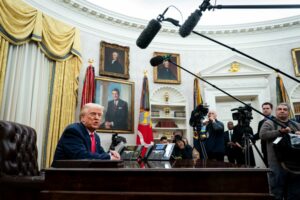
120,20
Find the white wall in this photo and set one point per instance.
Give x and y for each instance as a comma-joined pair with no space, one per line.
271,45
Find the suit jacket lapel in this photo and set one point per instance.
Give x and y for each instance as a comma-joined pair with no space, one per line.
87,137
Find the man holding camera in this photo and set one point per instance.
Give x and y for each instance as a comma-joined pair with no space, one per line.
281,181
214,144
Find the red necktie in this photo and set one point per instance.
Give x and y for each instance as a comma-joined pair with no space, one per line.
93,143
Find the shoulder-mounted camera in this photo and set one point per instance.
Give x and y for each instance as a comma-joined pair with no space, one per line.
198,115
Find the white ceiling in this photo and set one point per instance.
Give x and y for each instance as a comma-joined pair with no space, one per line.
148,9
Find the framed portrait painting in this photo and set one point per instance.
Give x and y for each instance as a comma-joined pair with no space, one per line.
117,97
114,60
296,60
167,72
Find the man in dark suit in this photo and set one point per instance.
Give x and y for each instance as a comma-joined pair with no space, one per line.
229,145
164,72
116,116
214,144
114,65
80,141
267,111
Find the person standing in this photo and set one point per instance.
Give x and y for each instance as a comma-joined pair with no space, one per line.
267,108
214,144
80,141
229,145
281,182
116,116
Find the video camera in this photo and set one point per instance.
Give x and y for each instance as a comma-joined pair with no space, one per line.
196,120
115,140
198,115
243,114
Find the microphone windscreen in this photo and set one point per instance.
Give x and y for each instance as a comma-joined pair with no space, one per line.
157,60
188,26
148,34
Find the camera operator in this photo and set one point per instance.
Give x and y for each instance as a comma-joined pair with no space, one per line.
214,144
281,181
238,138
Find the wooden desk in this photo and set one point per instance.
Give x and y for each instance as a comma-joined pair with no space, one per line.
178,180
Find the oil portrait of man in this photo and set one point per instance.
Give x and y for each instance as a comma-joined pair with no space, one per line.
167,72
114,60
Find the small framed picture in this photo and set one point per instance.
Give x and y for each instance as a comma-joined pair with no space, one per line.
114,60
296,60
117,97
167,72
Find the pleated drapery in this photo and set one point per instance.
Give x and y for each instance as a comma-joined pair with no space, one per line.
3,59
21,23
26,90
63,99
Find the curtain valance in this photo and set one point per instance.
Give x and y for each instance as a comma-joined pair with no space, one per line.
20,22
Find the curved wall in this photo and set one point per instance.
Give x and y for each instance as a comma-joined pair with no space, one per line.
270,42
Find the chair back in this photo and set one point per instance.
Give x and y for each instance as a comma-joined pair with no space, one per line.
18,150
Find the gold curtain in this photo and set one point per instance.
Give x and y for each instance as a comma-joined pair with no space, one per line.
59,41
63,102
20,23
3,59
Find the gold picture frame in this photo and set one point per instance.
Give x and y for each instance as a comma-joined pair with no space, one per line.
118,115
296,60
114,60
167,72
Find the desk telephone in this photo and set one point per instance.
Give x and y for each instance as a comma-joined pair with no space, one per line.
131,152
155,152
160,152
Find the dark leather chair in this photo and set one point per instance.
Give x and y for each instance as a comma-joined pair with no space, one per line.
19,174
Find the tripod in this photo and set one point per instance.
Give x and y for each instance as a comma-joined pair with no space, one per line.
203,154
247,131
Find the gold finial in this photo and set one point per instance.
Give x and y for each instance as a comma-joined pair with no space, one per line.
235,67
91,61
166,96
145,72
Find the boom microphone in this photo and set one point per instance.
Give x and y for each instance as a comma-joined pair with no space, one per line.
193,19
190,23
150,31
148,34
157,60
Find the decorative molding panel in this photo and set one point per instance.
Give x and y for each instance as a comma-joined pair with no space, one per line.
295,95
174,96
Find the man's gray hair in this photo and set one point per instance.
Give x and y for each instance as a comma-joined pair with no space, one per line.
285,104
87,106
